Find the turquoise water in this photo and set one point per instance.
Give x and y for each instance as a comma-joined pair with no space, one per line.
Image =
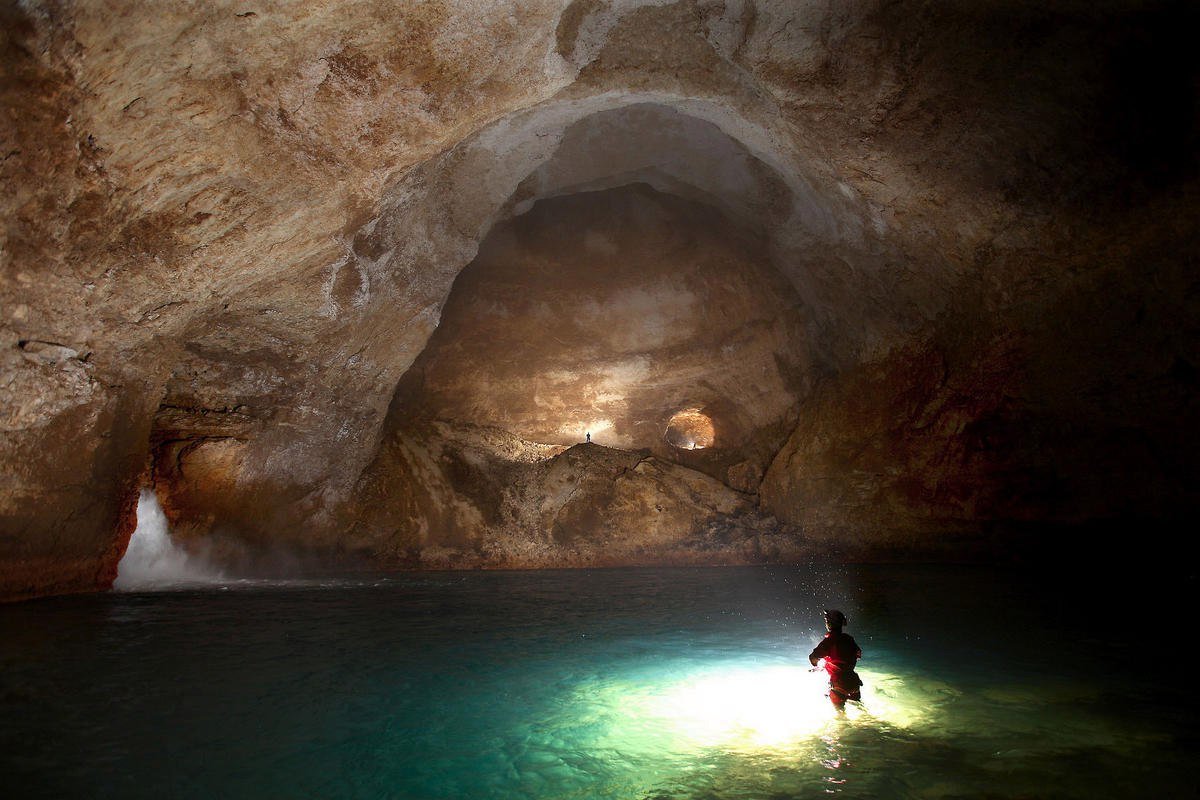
640,683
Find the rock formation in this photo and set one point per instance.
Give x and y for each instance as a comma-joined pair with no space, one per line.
347,276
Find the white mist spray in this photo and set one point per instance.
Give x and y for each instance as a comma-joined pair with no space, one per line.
152,560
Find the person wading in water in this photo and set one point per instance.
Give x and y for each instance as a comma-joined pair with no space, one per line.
841,654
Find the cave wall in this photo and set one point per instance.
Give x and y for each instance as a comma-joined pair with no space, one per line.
448,495
1030,425
228,233
181,181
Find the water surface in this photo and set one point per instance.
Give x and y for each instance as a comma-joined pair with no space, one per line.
638,683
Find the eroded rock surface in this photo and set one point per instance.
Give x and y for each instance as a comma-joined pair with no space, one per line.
1039,415
449,496
957,244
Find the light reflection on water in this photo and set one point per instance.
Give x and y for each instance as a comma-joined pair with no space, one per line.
599,684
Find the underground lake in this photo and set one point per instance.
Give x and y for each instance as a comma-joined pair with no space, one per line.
612,683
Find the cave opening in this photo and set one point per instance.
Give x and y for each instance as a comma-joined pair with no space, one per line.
690,429
602,311
606,311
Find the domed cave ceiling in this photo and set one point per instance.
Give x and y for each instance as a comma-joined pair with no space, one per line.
355,281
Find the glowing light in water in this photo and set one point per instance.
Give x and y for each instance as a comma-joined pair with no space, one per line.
748,707
153,561
745,708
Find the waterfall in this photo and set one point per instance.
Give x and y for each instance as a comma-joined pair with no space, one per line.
153,561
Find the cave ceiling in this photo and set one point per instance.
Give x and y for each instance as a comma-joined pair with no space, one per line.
355,276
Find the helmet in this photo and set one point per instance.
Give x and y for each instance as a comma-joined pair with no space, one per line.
834,619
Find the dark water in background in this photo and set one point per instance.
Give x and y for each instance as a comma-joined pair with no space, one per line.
639,683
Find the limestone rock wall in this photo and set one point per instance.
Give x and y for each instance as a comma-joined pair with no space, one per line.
1021,426
180,184
229,232
445,496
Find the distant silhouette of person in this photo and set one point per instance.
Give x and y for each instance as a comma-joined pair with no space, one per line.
841,654
589,437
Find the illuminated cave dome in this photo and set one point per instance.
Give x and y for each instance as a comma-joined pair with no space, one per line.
690,429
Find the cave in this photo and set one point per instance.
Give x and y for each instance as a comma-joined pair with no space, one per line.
690,429
618,329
